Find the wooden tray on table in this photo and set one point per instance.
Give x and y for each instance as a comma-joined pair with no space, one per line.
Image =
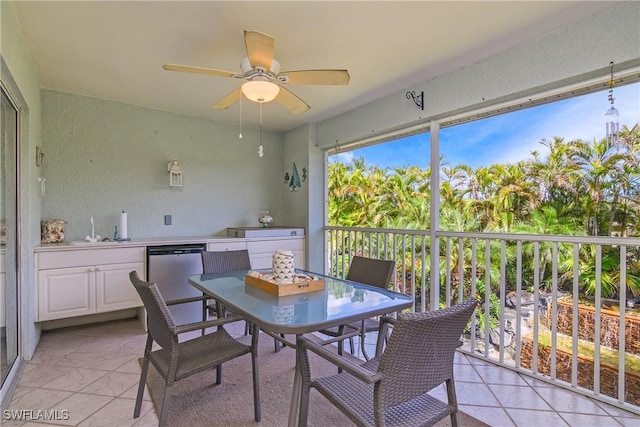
284,288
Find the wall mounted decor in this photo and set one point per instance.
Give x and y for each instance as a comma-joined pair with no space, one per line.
175,174
417,99
39,156
294,181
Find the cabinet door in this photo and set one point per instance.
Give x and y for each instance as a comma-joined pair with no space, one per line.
66,292
114,290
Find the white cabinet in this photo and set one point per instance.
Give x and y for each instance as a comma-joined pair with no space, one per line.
261,251
76,283
114,290
66,292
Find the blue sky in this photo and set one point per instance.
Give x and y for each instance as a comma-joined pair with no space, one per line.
511,137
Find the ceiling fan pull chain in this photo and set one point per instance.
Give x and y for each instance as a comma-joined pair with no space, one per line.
260,147
240,135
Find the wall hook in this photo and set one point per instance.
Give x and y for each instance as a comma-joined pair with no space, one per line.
417,99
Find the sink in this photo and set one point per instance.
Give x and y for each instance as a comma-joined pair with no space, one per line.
85,243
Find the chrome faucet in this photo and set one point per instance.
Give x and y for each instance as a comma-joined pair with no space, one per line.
93,237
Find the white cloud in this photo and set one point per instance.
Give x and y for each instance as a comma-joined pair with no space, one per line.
345,157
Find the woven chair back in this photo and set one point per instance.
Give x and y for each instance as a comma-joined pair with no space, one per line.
420,351
371,271
159,319
215,262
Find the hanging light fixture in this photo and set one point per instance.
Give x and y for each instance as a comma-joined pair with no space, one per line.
260,90
612,114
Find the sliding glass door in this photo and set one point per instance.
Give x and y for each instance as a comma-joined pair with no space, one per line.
9,295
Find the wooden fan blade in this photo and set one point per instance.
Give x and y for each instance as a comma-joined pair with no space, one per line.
290,101
198,70
259,49
228,100
317,77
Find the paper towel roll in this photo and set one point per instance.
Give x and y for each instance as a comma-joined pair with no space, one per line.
123,233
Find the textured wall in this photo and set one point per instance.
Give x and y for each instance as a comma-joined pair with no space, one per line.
20,76
554,60
103,157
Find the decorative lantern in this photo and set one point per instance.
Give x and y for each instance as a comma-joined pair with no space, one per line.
175,174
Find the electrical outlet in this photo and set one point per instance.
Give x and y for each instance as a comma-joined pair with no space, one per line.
167,220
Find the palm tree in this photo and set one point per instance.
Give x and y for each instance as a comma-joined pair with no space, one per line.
598,171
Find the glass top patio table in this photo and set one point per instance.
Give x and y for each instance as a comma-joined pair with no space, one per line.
341,302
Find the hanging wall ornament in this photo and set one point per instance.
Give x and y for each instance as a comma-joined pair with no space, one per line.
294,182
613,128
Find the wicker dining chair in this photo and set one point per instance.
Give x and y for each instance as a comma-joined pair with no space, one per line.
370,271
217,262
392,388
176,360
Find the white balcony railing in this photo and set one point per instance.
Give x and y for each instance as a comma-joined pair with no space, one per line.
531,318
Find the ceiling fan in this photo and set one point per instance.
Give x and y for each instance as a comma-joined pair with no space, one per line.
264,81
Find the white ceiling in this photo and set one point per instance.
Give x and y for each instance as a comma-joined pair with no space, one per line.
115,50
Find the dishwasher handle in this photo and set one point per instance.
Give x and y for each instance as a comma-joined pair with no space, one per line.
176,249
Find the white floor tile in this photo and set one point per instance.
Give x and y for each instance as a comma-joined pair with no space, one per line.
521,397
534,418
475,394
566,401
73,359
495,417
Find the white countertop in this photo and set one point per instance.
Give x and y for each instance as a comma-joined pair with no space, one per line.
151,241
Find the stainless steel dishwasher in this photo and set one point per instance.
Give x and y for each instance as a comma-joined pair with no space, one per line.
169,266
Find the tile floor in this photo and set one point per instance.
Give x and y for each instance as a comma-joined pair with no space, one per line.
92,371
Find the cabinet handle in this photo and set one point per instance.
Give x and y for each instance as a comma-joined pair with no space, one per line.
91,269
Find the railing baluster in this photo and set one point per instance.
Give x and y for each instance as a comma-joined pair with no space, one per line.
395,259
536,304
554,310
574,310
461,269
487,297
622,329
597,324
403,262
328,265
413,267
448,272
503,287
423,270
474,289
518,336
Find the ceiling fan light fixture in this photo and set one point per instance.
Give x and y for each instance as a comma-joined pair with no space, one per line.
260,90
